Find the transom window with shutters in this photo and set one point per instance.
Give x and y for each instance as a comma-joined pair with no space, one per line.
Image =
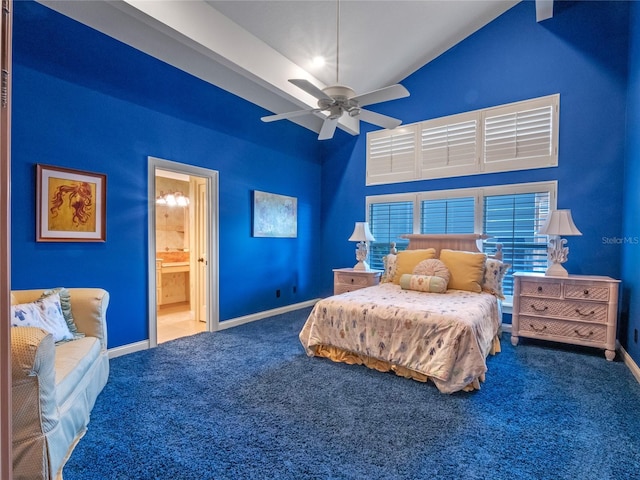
510,214
516,136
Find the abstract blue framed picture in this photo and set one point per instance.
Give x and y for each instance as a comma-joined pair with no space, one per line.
274,215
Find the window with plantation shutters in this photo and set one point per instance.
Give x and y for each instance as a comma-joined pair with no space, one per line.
511,215
391,155
516,136
387,222
522,135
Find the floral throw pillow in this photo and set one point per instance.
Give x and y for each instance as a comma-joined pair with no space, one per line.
494,273
45,313
65,303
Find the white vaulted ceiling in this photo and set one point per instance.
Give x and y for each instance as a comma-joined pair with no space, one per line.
252,47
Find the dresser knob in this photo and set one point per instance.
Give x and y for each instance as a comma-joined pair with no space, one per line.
586,292
352,280
539,288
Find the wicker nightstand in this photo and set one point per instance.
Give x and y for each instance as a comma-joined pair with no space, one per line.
578,309
348,279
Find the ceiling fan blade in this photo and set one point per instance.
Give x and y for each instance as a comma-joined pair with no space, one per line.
285,116
378,119
392,92
310,88
328,128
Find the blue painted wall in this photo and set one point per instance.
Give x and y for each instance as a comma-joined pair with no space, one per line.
581,53
631,238
82,100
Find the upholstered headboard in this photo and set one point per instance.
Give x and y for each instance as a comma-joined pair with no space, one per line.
453,241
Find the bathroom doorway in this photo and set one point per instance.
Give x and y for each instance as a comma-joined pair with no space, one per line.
182,239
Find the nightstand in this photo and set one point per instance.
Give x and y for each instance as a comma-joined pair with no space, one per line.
578,309
348,279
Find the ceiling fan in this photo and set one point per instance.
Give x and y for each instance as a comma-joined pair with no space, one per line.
335,100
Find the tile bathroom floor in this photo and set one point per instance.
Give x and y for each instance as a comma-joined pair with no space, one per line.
175,321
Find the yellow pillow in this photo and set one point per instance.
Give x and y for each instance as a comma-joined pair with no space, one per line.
466,269
407,260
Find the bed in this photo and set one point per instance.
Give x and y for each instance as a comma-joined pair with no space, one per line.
442,336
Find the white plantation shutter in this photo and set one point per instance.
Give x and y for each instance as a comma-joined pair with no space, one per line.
387,221
447,215
513,221
451,148
516,136
391,155
522,135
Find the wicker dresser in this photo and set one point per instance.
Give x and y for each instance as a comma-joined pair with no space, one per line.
348,279
578,309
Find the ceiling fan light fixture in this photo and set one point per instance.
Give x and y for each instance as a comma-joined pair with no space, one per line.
337,99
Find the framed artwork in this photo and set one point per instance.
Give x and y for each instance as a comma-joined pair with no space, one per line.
274,215
71,205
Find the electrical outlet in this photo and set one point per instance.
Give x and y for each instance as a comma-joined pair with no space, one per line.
278,293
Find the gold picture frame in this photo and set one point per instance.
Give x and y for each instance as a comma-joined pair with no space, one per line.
71,205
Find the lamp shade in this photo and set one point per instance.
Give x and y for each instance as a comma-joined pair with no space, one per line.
361,233
559,222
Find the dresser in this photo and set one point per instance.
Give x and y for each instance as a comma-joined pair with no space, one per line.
578,309
348,279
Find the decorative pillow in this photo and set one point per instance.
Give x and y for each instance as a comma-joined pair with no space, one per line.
408,259
494,272
434,268
389,262
65,303
45,313
466,269
423,283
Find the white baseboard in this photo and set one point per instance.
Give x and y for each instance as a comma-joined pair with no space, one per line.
630,363
234,322
129,348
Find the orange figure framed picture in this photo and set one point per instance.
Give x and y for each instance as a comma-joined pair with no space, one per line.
71,205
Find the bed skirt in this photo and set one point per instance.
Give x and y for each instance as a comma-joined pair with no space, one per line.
343,356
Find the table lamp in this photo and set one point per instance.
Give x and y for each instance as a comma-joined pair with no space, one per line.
559,223
362,235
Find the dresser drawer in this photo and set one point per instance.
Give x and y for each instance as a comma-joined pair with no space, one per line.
596,333
587,311
542,289
349,279
358,281
590,292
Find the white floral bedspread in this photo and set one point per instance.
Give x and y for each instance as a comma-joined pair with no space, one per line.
446,336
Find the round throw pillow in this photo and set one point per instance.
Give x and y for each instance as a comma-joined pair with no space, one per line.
433,268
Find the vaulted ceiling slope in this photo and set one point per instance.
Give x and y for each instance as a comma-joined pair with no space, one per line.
252,47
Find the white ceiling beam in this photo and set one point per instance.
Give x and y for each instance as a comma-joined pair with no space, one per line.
544,10
200,40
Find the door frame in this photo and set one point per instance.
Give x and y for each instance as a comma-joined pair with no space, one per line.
211,177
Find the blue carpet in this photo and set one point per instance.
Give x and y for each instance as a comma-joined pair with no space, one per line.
247,403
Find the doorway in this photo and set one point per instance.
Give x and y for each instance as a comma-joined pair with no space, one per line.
182,250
